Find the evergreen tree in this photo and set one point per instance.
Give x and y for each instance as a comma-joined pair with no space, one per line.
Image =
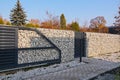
117,21
62,21
75,26
18,16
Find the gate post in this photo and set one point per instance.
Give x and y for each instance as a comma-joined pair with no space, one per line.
79,45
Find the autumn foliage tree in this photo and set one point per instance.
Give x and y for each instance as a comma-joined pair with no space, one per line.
18,16
62,21
33,23
51,22
4,21
99,21
1,20
98,24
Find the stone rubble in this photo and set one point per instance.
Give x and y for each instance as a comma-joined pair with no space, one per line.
25,56
101,43
63,39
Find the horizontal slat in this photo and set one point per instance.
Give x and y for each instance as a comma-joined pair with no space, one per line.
7,54
12,45
2,32
7,57
7,31
7,28
7,60
2,55
7,48
6,51
4,66
6,63
7,40
7,34
7,43
7,37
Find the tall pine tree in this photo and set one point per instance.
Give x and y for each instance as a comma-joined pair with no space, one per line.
62,21
117,19
18,16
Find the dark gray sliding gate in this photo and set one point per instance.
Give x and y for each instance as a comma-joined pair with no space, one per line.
8,47
80,45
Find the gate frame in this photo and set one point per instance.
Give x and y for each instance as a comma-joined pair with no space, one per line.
24,65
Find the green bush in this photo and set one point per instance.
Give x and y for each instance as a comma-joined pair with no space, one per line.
1,20
75,26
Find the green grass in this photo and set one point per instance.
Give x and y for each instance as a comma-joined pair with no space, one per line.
117,73
117,76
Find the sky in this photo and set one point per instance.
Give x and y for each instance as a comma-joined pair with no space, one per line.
74,10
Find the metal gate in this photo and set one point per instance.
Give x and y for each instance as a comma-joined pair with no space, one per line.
8,47
80,45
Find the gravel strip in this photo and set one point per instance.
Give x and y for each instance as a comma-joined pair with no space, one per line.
41,71
113,57
95,66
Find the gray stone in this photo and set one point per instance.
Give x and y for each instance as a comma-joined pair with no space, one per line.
63,39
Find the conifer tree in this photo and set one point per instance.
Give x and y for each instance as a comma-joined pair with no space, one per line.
18,16
75,26
62,21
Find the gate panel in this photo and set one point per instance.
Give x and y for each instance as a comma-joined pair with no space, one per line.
8,47
79,44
